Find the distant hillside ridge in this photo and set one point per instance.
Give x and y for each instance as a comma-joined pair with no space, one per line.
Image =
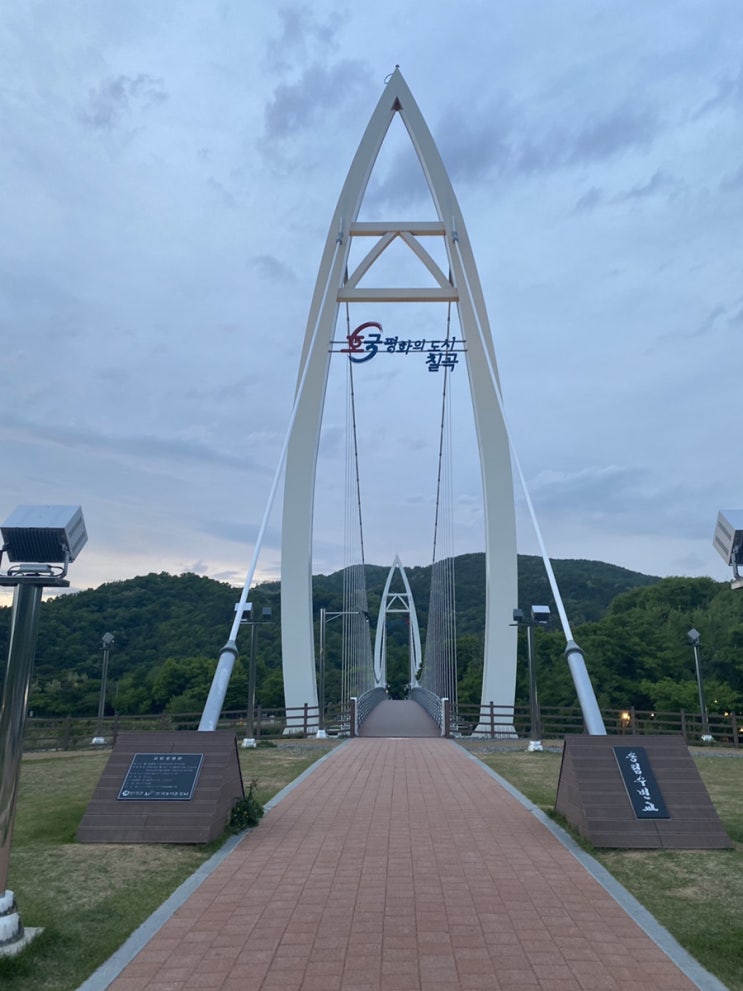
169,629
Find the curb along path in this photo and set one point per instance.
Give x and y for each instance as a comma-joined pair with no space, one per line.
400,865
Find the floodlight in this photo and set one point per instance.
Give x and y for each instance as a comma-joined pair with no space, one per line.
518,615
44,534
540,615
694,637
728,541
44,539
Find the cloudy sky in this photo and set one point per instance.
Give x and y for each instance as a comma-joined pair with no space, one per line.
168,172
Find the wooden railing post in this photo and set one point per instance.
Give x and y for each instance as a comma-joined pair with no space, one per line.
67,733
492,721
683,726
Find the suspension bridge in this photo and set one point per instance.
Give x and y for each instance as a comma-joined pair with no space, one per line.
398,863
367,267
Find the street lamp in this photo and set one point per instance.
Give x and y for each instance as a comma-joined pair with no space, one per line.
42,541
539,616
325,618
249,738
695,639
106,644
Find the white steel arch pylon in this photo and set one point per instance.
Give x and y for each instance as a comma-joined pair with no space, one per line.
335,287
396,602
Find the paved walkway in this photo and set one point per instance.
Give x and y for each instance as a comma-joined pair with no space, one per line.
398,718
401,865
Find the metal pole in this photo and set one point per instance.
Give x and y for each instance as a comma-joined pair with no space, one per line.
23,634
321,734
250,727
535,733
706,737
106,644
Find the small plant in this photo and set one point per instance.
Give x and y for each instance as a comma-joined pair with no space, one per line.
266,744
247,812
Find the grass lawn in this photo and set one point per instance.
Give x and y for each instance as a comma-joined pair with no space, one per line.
90,897
696,894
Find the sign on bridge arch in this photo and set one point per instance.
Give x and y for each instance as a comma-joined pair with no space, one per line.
363,344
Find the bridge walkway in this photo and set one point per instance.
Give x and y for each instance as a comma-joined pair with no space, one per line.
399,718
401,865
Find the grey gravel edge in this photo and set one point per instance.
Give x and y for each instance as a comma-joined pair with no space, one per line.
648,923
107,973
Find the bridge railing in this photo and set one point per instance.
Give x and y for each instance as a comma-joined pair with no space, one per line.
77,733
437,708
497,722
363,705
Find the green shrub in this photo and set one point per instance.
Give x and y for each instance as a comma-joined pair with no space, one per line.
247,812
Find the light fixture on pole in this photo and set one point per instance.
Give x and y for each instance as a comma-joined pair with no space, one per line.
247,620
539,616
106,643
695,639
42,541
728,542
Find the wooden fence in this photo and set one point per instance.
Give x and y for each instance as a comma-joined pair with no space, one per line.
491,721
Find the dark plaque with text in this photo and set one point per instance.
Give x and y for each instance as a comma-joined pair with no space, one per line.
161,778
639,780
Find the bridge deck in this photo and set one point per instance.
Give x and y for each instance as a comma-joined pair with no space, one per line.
398,718
398,865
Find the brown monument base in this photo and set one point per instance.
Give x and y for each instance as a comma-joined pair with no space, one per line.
641,792
140,797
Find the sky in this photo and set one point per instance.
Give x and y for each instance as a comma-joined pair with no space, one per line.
168,172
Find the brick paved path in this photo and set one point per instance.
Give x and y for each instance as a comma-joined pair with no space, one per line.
400,865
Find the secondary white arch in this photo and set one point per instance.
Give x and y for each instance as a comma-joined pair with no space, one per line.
332,289
396,602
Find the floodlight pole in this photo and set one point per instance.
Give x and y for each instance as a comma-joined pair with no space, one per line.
695,640
325,618
24,628
535,734
538,616
249,739
106,642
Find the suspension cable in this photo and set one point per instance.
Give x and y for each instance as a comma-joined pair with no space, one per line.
441,444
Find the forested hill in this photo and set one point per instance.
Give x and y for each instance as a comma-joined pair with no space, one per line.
169,630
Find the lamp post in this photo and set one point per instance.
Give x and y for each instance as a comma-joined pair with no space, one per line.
53,535
695,639
106,643
325,618
539,616
249,738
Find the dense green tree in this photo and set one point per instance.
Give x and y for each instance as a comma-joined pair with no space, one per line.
169,629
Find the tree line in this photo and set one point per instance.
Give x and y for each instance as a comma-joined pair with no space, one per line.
169,629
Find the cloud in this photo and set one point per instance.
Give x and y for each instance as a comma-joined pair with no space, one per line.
115,98
296,107
140,447
729,95
660,182
271,268
240,533
615,132
300,31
